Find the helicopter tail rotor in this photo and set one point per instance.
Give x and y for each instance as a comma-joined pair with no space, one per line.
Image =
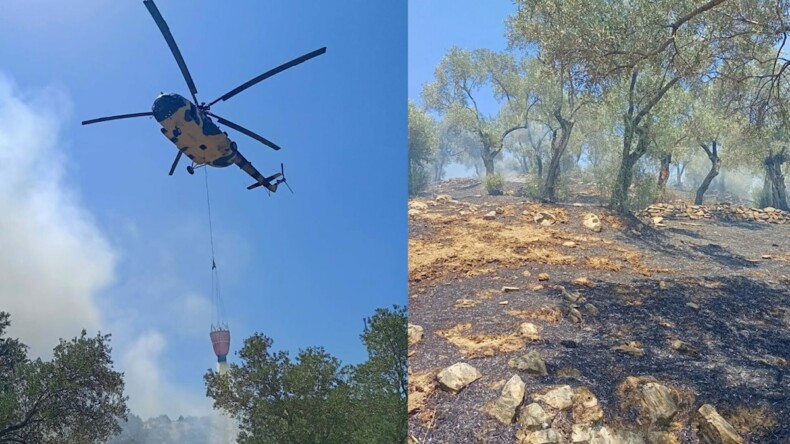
282,179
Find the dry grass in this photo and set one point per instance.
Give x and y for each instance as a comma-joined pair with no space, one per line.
477,345
467,246
550,314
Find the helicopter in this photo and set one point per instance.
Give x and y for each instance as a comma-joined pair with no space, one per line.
188,125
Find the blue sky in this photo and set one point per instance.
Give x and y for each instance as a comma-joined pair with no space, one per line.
437,25
303,269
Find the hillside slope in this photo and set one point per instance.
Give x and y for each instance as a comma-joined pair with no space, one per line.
645,324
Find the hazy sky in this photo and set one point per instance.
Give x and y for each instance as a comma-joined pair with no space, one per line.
437,25
94,234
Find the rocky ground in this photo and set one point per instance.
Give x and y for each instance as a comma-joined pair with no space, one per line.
551,323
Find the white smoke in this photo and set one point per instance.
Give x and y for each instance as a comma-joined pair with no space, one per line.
150,393
53,258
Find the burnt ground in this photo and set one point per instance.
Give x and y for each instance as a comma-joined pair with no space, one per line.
641,279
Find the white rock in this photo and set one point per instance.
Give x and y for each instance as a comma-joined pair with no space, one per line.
457,376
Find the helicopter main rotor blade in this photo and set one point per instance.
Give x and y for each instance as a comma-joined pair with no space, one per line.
243,130
160,22
270,73
121,116
175,162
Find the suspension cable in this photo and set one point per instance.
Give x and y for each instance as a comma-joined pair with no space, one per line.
215,288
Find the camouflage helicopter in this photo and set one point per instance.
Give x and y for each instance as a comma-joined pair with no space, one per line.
189,126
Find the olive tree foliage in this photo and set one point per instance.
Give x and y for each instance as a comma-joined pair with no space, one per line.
422,147
529,147
560,95
645,47
76,397
712,127
462,77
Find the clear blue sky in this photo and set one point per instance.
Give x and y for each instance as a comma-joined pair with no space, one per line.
437,25
303,269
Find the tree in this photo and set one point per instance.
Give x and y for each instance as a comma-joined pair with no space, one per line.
313,398
422,147
644,47
559,98
459,78
75,398
381,383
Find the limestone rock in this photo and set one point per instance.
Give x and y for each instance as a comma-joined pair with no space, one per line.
543,277
584,434
559,397
574,315
529,331
683,347
544,218
530,363
504,409
417,205
592,222
659,403
586,409
457,376
568,296
591,309
491,215
533,417
444,198
715,429
548,436
632,348
415,333
662,438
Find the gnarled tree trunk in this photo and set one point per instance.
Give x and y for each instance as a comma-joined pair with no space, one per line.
559,142
680,169
663,176
715,165
773,168
626,173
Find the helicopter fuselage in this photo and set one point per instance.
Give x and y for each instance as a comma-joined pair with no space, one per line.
193,132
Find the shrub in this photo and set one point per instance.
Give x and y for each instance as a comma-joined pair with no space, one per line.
494,184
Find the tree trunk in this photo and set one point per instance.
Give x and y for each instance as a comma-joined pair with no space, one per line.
488,163
680,168
722,184
558,146
663,176
438,168
620,193
491,146
539,164
715,165
523,161
773,167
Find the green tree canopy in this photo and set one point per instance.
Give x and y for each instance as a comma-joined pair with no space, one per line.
312,398
422,147
76,397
